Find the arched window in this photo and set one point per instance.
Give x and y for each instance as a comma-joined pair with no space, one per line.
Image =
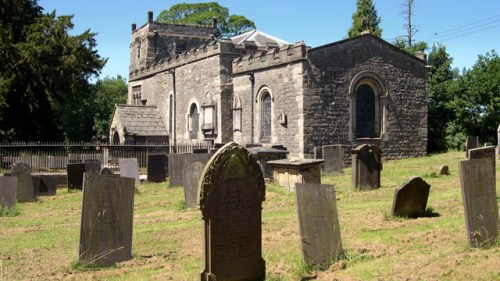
171,115
116,138
265,124
193,121
236,113
365,112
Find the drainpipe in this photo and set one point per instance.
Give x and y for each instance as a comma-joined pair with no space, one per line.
251,77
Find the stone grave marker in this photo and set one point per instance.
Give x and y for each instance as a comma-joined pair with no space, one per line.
334,159
410,199
25,189
470,143
231,193
318,223
478,186
318,152
106,171
8,188
157,167
484,152
75,172
45,185
444,170
192,175
92,166
107,219
129,168
178,162
366,166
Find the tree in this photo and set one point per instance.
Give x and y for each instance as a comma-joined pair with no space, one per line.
202,14
408,44
108,92
365,18
42,69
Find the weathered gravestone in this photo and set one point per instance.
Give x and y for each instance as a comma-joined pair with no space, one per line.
484,152
231,193
318,223
25,190
366,166
8,186
471,143
318,152
334,159
106,171
192,175
477,181
129,168
444,170
157,167
107,216
178,162
45,185
410,199
75,172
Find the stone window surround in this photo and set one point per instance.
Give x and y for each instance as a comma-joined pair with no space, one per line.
381,93
237,113
192,102
259,112
209,121
136,95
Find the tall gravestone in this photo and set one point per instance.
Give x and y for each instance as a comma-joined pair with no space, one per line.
129,168
107,219
470,143
75,172
231,193
410,199
366,166
8,187
318,223
334,159
25,190
157,167
478,186
484,152
192,175
178,162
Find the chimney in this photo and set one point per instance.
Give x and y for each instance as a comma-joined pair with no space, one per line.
150,16
134,27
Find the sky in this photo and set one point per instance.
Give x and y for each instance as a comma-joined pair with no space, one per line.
467,28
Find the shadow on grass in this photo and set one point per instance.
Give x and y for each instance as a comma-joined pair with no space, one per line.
428,213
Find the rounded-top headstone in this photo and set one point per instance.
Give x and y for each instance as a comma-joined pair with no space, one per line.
444,170
25,189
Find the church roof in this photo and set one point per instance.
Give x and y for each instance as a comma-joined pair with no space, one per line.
260,39
138,120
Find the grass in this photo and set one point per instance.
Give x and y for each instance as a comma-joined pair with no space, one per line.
6,211
41,241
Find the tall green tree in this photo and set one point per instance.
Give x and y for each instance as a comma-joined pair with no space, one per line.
108,92
42,68
202,14
365,18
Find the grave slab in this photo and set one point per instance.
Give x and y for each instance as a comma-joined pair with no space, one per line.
25,189
178,162
129,168
410,199
8,190
191,178
157,167
334,159
286,173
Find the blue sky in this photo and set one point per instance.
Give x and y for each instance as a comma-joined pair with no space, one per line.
467,28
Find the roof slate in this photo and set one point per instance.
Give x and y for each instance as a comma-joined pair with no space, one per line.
140,120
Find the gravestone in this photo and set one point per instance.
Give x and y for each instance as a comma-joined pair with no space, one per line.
478,186
45,185
8,187
318,223
106,171
231,193
178,162
200,150
192,175
286,173
334,159
410,199
471,143
444,170
366,166
318,152
157,167
484,152
75,172
25,190
129,168
107,219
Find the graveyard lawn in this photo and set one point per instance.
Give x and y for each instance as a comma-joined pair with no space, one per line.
41,243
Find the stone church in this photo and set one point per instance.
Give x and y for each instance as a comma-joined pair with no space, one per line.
185,85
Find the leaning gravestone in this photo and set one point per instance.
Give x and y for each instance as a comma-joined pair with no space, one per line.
231,193
334,159
318,223
484,152
8,186
25,190
192,175
129,168
107,216
480,202
366,166
157,167
410,199
471,143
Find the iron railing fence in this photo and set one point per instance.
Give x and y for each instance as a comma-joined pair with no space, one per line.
54,156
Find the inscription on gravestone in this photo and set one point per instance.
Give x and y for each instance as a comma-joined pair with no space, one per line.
231,193
334,159
25,190
410,199
157,167
192,175
8,186
318,223
129,168
106,224
480,202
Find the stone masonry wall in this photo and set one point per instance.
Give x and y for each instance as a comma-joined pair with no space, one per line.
327,101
